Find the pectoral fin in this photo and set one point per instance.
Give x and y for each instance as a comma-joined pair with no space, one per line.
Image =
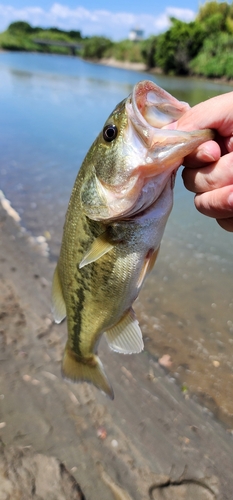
99,247
126,336
147,265
58,303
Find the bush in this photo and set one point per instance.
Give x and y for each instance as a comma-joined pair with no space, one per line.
215,60
126,50
148,51
96,47
178,45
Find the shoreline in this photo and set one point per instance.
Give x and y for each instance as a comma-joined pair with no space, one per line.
154,71
114,63
133,66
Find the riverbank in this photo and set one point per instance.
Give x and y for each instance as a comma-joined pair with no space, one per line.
151,439
122,64
154,71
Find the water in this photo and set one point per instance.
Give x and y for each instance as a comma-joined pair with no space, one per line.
52,108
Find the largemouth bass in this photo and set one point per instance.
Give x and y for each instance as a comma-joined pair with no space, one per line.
116,217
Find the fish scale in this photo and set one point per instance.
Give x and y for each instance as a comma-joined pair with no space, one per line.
115,221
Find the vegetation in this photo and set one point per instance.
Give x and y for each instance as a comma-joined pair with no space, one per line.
21,36
96,47
178,46
202,47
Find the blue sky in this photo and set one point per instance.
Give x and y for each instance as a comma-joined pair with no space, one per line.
113,19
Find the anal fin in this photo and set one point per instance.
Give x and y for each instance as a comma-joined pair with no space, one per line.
99,247
126,336
58,303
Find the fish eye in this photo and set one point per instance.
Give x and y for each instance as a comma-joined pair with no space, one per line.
110,132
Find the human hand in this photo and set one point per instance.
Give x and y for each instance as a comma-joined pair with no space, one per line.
208,171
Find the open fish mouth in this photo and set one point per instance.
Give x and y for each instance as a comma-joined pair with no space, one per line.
161,151
154,106
149,109
147,157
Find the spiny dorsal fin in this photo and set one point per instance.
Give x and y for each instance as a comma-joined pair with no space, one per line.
58,303
99,247
126,336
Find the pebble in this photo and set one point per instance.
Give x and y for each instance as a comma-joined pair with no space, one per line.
102,433
73,398
35,381
165,361
114,443
49,375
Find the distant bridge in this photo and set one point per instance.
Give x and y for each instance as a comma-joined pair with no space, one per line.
73,46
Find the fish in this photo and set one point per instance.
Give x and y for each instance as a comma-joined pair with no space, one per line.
116,216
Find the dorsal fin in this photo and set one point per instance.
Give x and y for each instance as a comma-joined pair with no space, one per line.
99,247
126,336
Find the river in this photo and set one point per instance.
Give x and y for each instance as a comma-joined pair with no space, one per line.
52,108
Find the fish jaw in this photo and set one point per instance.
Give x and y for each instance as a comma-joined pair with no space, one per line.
149,155
149,109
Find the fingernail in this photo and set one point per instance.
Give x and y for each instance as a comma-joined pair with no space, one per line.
230,200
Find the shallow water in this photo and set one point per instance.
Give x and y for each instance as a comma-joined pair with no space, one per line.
52,108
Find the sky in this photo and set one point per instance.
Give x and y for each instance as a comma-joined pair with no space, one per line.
92,17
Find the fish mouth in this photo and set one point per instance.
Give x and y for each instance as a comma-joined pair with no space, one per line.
153,106
150,155
149,109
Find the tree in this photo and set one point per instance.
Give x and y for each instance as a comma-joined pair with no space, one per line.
178,45
96,46
20,27
148,51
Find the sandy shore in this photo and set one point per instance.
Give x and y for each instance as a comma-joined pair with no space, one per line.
151,442
123,64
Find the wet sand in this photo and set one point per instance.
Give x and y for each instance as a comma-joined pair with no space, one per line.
152,442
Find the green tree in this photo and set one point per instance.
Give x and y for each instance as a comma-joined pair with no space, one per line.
178,45
125,50
148,51
96,47
216,17
215,60
20,27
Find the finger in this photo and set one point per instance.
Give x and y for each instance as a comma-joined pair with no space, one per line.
205,153
215,113
213,176
228,142
226,224
217,203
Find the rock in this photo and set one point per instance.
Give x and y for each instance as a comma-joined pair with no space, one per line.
25,475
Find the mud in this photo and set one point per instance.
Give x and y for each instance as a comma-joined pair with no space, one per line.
153,441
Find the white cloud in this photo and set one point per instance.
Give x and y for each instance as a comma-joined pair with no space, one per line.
92,22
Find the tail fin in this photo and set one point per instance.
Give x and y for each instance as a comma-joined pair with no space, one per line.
86,370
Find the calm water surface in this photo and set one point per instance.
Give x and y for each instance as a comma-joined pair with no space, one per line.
52,108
